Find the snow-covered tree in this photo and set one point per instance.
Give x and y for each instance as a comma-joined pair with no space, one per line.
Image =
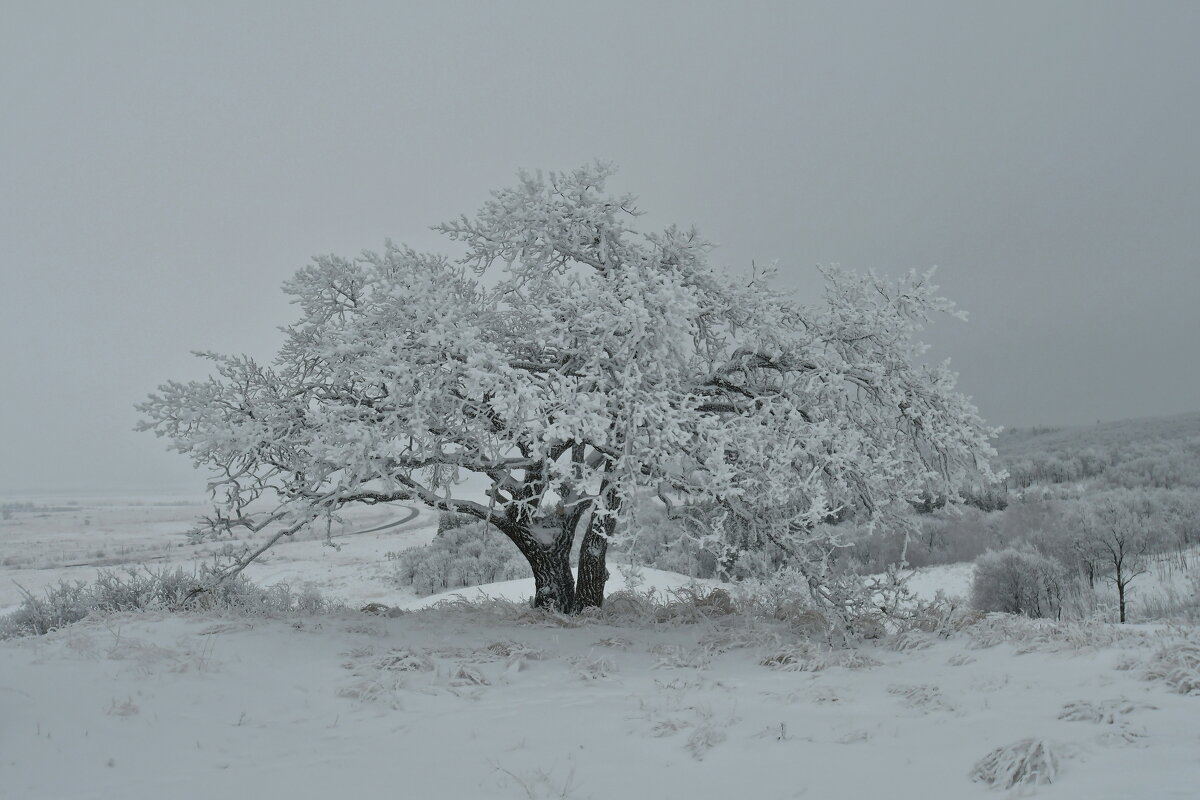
1019,580
1115,535
571,361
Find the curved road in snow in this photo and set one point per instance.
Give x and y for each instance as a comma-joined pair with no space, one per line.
412,514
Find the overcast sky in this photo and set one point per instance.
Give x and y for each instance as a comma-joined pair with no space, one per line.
165,166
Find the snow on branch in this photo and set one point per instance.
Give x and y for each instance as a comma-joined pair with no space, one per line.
572,360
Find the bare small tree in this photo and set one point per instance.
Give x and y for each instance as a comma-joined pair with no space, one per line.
1114,535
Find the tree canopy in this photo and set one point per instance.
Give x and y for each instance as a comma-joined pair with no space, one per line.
574,362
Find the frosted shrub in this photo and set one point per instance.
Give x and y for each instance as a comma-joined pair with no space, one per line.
1177,665
665,547
448,520
661,543
939,538
62,605
1029,762
1019,582
685,544
166,590
460,555
133,590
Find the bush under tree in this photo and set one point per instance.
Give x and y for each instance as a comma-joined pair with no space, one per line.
1020,581
466,553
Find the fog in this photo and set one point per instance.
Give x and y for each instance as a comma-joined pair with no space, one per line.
163,169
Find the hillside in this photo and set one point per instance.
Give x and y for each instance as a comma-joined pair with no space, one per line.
1021,442
493,700
1158,452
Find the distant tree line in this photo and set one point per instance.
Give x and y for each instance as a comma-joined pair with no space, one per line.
1161,464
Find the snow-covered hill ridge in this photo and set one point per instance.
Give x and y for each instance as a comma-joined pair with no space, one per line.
1027,441
1156,452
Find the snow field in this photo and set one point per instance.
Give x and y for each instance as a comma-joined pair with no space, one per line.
37,550
494,700
454,696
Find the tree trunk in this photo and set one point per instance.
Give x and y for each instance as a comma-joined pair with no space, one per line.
554,586
593,572
1121,595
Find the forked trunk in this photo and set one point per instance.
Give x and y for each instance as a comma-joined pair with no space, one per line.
593,573
555,587
589,588
553,584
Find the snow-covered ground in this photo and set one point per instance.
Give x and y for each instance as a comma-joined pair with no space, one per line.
489,699
42,547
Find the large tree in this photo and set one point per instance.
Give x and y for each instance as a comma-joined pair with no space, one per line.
572,362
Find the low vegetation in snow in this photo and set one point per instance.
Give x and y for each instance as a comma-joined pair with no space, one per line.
146,589
687,687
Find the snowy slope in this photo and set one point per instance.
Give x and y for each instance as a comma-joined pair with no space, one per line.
482,700
38,550
495,702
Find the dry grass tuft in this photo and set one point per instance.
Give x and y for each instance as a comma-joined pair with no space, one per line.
1178,666
1029,762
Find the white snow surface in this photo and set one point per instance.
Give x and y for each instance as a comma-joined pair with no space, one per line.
492,700
40,548
660,583
952,580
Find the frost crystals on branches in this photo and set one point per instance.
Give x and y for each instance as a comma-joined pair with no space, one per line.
575,365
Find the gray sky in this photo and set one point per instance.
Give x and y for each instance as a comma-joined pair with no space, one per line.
164,167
